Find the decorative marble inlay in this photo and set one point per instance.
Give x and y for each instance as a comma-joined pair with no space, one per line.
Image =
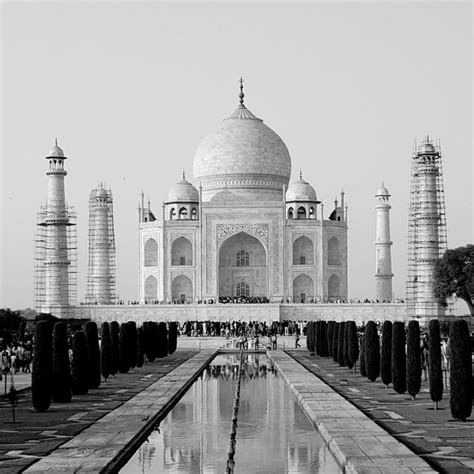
257,230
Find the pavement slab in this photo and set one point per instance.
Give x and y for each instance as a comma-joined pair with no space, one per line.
446,445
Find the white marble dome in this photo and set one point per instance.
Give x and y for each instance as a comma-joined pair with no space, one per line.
243,156
56,151
183,191
382,191
301,190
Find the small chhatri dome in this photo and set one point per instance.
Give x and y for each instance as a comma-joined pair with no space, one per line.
183,191
427,146
382,191
56,151
244,156
301,190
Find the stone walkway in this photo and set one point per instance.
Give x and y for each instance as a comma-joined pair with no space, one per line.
106,445
35,435
432,434
358,444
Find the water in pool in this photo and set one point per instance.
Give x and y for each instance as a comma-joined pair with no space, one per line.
273,433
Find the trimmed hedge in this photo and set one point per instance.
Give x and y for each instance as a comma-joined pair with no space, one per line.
162,346
106,351
324,339
114,339
132,344
335,342
93,354
42,373
372,351
461,371
329,337
363,368
399,379
141,346
386,354
79,365
124,362
413,359
61,387
340,344
435,366
172,337
353,343
347,360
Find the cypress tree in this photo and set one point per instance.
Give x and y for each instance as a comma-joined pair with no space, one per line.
172,337
42,373
141,346
114,339
162,346
363,368
413,359
132,347
398,358
151,331
61,386
79,365
340,344
314,336
353,344
386,355
93,354
324,339
435,367
372,351
309,330
106,351
461,371
347,360
124,363
318,338
335,341
330,333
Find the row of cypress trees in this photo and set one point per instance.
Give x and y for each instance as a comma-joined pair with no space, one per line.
397,360
123,347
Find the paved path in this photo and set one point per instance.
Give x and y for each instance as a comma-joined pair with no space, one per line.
37,434
447,445
100,448
358,444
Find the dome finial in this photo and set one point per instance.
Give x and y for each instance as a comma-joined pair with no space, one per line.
241,95
56,141
184,174
301,174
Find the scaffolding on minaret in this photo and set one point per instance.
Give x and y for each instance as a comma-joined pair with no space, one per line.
46,240
101,276
427,234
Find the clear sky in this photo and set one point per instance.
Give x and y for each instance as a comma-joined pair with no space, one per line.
130,89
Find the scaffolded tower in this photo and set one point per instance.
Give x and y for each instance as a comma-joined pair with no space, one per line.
427,238
101,281
56,245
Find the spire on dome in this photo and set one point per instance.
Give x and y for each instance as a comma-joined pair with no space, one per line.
184,174
241,95
56,141
301,174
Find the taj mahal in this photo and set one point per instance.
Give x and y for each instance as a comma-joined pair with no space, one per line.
244,232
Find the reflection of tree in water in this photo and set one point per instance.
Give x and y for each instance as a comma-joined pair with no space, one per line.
252,367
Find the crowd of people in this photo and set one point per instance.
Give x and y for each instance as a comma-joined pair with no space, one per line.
17,358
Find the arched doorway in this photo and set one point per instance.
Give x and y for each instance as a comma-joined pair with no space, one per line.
242,267
182,289
303,290
151,289
334,288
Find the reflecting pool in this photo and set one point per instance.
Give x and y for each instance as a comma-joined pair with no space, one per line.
273,433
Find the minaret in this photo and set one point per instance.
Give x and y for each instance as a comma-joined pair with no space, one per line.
53,244
101,274
383,258
426,232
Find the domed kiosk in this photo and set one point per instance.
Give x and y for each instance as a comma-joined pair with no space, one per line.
233,238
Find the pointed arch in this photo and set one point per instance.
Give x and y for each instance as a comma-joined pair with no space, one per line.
334,287
181,252
151,289
303,288
333,251
172,213
183,213
301,213
290,213
151,253
182,289
303,251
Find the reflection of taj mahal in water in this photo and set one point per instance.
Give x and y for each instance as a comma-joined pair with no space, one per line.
246,231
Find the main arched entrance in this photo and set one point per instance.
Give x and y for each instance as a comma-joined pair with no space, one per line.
242,267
